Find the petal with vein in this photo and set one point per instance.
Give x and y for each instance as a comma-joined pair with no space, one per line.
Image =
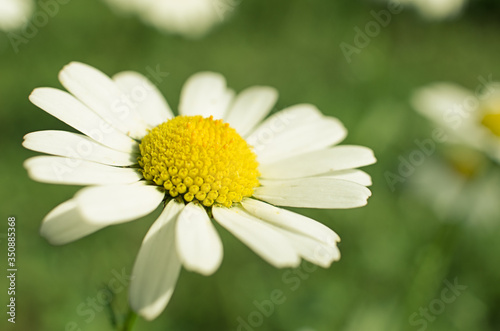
205,94
114,204
312,250
64,224
68,109
198,243
76,146
63,170
250,107
157,266
291,221
351,175
314,192
150,103
259,236
296,130
319,162
102,95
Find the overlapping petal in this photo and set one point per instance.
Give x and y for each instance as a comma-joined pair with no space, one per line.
250,107
319,162
157,265
69,110
205,94
98,92
293,131
314,192
63,170
114,204
145,96
198,244
65,224
76,146
259,236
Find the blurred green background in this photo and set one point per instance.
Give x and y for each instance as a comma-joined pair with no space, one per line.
397,255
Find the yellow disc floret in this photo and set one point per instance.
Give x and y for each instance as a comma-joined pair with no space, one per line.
199,159
492,122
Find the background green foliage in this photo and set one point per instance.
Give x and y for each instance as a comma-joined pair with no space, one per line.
396,254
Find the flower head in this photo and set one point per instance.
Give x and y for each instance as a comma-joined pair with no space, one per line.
215,160
471,118
467,185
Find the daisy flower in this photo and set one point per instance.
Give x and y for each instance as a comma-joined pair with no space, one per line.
191,18
14,14
471,118
218,161
468,182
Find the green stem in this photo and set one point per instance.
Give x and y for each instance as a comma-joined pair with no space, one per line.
128,325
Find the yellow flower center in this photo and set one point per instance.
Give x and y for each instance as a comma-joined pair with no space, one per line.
466,162
199,159
492,122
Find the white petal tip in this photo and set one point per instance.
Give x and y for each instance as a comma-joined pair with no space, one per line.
290,264
149,313
205,271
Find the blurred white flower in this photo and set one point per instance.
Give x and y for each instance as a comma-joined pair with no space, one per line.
436,9
191,18
464,182
469,117
218,159
460,187
14,14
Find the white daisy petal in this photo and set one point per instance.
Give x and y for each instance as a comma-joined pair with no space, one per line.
259,236
314,193
250,107
76,146
352,175
291,221
157,265
64,224
293,131
445,103
198,243
116,204
102,95
313,251
63,170
205,94
68,109
149,102
319,162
